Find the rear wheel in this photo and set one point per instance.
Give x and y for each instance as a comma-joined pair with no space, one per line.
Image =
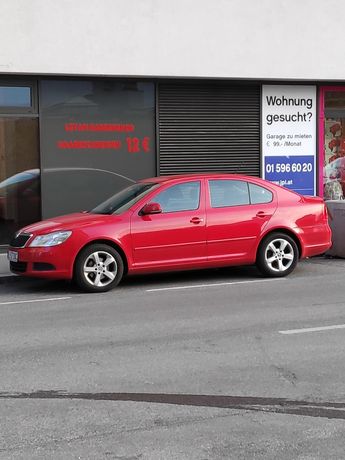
98,268
277,255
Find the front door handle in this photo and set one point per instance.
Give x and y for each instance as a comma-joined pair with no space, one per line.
196,220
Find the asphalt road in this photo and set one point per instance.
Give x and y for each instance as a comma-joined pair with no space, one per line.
220,364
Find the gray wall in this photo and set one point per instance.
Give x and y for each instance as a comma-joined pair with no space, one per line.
288,39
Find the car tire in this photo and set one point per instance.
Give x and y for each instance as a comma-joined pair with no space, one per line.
98,268
277,255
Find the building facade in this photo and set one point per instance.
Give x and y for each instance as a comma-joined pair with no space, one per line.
94,97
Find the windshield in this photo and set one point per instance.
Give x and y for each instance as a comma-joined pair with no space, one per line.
123,200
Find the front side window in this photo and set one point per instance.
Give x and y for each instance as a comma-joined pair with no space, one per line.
180,197
259,195
225,192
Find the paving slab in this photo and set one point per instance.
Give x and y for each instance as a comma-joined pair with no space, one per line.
4,266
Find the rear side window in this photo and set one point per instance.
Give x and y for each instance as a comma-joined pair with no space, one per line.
225,192
259,195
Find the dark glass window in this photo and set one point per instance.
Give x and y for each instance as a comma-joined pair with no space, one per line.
15,96
98,137
259,195
227,192
180,197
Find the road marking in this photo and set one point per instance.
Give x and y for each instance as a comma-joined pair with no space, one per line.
196,286
51,299
313,329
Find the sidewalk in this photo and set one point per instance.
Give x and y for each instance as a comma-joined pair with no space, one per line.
4,266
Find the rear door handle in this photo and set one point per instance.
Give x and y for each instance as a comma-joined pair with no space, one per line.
262,214
196,220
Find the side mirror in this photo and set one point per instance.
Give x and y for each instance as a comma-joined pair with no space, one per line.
151,208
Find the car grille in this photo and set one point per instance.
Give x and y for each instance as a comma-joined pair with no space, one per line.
20,240
42,266
19,267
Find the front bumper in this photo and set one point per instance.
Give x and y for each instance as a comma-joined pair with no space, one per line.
50,262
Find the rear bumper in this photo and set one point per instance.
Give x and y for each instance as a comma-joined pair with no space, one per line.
316,240
310,251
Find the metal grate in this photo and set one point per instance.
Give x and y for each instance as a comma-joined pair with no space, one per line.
42,266
209,127
20,240
18,267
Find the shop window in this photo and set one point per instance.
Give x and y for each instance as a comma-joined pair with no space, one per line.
17,99
97,137
15,96
20,196
334,144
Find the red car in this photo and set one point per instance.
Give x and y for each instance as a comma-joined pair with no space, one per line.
176,223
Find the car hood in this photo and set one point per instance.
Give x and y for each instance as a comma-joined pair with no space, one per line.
69,222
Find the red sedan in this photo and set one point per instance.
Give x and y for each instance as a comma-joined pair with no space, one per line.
175,223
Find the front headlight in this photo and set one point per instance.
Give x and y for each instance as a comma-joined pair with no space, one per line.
51,239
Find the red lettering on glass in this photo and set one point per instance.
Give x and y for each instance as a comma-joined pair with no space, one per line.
118,127
146,144
89,144
133,144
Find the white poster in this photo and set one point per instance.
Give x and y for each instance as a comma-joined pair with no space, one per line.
289,136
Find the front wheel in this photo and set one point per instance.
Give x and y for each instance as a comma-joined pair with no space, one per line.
277,255
98,268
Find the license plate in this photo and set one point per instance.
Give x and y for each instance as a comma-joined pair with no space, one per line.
13,256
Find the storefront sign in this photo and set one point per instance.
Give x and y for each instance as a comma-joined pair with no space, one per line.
289,136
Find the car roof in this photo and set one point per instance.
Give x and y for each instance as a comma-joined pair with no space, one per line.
182,177
283,191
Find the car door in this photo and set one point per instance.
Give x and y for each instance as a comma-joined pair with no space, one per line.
237,213
176,236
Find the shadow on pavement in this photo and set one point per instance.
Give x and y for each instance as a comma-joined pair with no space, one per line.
32,285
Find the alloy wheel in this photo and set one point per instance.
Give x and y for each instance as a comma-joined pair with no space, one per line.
100,268
279,255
